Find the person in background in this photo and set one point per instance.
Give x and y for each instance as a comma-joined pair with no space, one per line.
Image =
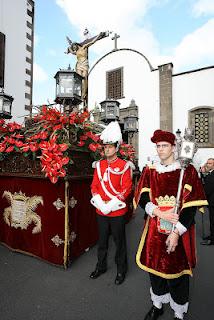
111,185
167,247
208,181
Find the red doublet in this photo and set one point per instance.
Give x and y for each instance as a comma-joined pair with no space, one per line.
162,187
122,183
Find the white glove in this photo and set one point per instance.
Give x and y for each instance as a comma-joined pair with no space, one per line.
115,204
98,203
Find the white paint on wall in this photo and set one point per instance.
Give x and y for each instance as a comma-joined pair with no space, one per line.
13,18
191,90
140,84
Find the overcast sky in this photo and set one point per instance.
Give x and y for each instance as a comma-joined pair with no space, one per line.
177,31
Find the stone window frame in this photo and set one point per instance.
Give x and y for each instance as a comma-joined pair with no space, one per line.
191,120
117,92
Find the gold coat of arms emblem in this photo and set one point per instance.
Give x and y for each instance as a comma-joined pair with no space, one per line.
21,213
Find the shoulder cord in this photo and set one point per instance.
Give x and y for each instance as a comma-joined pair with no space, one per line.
127,165
108,173
102,183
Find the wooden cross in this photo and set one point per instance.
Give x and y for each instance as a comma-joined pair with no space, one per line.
115,37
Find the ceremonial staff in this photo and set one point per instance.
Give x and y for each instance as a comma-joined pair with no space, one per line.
186,148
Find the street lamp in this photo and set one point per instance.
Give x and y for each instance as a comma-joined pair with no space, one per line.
131,126
178,133
68,88
110,110
5,105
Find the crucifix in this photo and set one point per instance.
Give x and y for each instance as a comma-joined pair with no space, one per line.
82,63
115,37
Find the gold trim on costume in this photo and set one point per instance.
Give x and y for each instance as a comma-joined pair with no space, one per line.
188,187
134,203
166,201
145,189
157,273
195,203
21,213
151,166
201,210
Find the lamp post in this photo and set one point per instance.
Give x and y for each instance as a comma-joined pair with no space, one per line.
68,89
131,126
5,105
178,134
110,110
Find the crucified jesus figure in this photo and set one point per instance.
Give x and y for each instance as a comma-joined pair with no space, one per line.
82,64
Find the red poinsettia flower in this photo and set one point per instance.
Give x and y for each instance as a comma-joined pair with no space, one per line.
65,160
9,149
62,173
58,127
2,147
25,147
81,143
43,135
18,143
19,136
92,147
83,137
11,140
63,147
34,146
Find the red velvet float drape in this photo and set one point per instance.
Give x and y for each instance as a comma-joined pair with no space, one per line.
82,218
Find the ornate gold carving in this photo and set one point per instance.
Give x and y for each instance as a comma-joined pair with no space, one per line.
58,204
166,201
72,202
57,240
21,213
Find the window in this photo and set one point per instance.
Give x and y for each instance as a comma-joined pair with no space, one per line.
2,58
114,84
202,127
202,120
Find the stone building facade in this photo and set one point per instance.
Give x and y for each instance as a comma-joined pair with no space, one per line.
164,99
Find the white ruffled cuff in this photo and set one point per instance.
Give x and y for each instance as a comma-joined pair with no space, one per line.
181,228
179,309
159,300
149,208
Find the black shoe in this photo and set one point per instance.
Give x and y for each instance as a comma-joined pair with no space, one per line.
119,278
154,313
207,243
96,273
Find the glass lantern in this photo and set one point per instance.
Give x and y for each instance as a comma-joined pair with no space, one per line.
131,123
110,110
5,105
68,87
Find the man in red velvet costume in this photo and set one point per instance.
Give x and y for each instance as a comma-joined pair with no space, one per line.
167,252
112,184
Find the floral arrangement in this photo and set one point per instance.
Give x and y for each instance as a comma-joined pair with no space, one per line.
51,137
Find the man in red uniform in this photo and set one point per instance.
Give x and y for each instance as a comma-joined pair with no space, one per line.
112,183
167,252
